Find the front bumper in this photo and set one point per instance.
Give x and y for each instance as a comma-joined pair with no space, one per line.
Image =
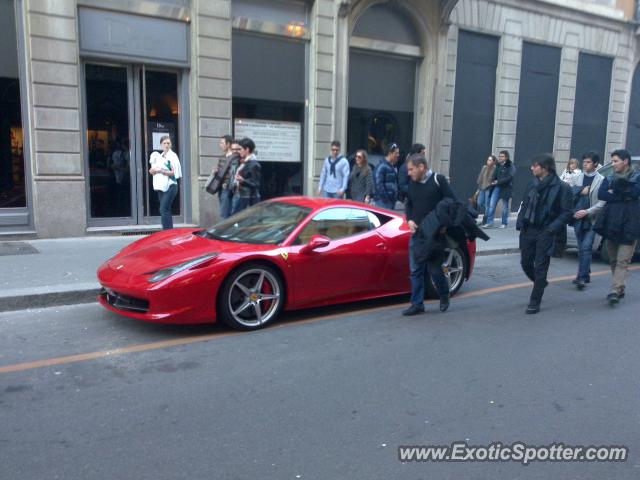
185,300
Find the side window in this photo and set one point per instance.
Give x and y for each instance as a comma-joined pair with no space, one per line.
336,223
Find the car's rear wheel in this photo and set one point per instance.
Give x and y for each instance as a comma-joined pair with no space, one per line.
251,297
455,270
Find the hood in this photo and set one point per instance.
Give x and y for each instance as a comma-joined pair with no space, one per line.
166,250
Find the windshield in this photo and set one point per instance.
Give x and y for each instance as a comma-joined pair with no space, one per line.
266,223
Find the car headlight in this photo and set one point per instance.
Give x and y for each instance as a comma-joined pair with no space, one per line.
167,272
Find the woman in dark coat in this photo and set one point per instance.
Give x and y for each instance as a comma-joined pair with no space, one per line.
361,187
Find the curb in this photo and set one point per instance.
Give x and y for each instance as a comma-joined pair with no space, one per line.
49,299
497,251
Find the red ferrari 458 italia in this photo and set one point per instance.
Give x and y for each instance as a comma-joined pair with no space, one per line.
287,253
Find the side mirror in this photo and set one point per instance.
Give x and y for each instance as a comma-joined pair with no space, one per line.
317,241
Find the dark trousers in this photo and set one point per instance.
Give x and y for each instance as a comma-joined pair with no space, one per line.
166,201
420,270
536,246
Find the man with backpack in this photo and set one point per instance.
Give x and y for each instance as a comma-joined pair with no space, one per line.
426,190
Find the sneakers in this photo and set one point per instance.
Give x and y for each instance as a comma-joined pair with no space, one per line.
413,310
580,284
502,226
613,298
532,308
487,225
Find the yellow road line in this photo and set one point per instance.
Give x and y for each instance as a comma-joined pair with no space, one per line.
83,357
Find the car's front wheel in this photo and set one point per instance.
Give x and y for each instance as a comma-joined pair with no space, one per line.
251,297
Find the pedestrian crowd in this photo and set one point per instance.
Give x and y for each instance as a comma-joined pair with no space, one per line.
581,198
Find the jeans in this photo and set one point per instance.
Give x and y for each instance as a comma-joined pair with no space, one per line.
585,240
419,270
483,199
536,246
326,194
225,196
166,201
493,203
389,205
620,256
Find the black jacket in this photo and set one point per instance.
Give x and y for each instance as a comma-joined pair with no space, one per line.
620,219
556,208
251,174
460,223
503,174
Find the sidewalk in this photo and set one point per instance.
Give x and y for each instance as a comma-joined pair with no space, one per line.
44,273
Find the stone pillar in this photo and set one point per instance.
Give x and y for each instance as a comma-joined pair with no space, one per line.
211,98
322,80
507,90
54,109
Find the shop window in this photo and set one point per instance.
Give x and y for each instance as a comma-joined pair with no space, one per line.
13,193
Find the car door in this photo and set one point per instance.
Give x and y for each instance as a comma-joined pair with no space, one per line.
348,268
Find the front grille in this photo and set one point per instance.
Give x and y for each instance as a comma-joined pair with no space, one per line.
123,302
138,232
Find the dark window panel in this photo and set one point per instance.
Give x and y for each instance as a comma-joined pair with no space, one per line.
537,102
473,111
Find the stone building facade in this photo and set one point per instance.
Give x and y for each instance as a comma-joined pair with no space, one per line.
96,83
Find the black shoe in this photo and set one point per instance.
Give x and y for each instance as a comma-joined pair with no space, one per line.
575,281
413,310
621,295
580,284
613,298
534,307
444,304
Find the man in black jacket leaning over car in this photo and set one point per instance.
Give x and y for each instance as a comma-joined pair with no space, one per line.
426,189
544,212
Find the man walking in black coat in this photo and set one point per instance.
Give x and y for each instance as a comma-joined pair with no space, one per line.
544,212
426,189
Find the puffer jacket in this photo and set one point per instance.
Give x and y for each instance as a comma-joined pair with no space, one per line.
386,181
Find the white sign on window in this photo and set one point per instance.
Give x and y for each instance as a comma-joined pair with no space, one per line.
275,141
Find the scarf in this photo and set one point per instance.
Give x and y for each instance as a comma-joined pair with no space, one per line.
626,176
536,197
332,165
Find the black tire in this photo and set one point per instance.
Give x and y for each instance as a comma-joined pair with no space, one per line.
251,297
457,272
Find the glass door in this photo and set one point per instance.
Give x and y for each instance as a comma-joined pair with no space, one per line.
160,115
110,173
128,109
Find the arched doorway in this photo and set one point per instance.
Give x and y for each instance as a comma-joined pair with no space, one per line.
383,55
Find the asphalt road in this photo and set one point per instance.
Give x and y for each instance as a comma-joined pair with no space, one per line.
327,393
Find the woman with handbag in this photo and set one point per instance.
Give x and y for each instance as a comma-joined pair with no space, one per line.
166,170
219,182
